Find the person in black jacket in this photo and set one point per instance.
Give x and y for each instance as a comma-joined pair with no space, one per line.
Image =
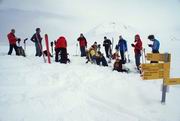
107,45
36,38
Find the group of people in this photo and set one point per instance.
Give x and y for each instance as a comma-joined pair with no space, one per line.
93,54
60,45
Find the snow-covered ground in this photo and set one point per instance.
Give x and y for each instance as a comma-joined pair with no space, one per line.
31,90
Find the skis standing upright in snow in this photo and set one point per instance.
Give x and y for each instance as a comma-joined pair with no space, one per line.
47,48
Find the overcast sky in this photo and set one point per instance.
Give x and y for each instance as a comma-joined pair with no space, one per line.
139,12
86,14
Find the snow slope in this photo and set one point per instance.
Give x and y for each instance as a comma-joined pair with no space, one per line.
31,90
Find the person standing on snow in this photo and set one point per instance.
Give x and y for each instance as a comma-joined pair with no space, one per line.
155,46
107,46
37,39
61,48
123,48
12,42
137,50
82,44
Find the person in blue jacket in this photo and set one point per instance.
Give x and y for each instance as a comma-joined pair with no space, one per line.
122,44
156,44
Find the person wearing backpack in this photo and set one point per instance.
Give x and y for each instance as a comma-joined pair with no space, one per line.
12,42
137,50
37,39
122,48
61,48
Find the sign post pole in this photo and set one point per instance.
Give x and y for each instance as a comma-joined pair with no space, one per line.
164,86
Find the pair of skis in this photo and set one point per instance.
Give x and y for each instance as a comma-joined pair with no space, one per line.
47,48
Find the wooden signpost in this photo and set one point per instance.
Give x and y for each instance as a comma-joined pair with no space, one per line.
158,57
173,81
155,71
159,70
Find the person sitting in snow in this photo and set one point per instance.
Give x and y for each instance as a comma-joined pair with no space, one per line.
118,66
95,56
91,54
100,59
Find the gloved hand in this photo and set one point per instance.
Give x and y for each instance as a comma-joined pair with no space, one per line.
150,45
132,45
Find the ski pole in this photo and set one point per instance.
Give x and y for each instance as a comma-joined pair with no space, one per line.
144,54
76,48
25,44
128,57
52,47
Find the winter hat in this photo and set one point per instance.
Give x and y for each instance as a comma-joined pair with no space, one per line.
150,37
81,35
120,37
137,37
37,29
62,38
13,30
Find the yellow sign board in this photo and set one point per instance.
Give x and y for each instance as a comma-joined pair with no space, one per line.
155,71
157,57
153,75
172,81
158,70
152,66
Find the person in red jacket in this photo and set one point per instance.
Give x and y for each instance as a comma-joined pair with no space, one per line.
82,44
12,42
137,50
60,48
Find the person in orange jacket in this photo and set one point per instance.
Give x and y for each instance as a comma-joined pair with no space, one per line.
137,50
12,42
61,48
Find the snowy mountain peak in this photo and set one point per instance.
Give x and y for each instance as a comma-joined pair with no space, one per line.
111,30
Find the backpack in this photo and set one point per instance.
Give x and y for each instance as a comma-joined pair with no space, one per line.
21,51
